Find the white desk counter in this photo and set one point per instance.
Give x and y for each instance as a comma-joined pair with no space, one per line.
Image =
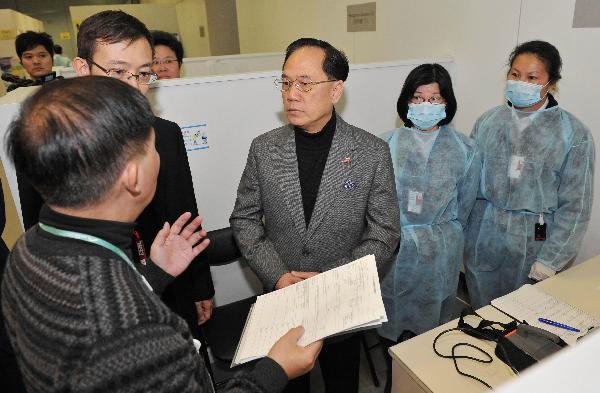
579,286
417,369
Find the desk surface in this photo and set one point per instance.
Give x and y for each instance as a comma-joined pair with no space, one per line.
417,368
578,286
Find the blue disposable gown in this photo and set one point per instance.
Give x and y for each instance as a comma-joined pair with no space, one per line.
420,288
540,162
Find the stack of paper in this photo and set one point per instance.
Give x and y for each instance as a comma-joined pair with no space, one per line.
529,303
339,300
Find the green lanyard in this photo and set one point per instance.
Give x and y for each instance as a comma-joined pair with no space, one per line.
94,240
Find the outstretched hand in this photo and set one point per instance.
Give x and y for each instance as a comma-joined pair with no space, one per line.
175,245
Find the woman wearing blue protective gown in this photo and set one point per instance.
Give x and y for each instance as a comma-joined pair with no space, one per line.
437,176
536,182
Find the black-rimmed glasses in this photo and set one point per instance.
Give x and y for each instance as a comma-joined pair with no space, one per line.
144,77
304,84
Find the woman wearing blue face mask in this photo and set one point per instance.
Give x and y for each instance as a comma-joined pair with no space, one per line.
536,183
437,175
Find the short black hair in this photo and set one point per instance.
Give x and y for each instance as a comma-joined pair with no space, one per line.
30,39
71,139
546,52
426,74
168,40
57,49
109,27
335,64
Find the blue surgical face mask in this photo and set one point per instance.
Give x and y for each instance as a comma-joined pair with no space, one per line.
523,94
426,115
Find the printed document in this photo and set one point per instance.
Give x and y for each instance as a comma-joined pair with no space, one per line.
336,301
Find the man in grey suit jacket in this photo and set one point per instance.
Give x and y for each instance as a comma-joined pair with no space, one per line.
316,194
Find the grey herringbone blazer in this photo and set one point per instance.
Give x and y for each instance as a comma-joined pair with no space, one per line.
355,214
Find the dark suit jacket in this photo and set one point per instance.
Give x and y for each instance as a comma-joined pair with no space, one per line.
174,196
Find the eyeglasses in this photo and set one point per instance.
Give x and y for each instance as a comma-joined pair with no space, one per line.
167,62
144,77
431,100
304,84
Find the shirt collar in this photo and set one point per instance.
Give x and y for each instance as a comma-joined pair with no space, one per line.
115,232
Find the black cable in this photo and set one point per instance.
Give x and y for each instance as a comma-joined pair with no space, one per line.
493,334
455,357
460,356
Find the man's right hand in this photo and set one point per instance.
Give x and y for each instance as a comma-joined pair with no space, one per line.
286,280
294,359
175,246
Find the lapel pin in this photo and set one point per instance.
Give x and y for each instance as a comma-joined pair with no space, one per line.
347,160
349,184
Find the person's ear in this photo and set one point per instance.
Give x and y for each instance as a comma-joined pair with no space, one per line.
336,91
81,67
130,178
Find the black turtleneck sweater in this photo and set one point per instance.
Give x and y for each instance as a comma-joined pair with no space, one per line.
80,319
312,150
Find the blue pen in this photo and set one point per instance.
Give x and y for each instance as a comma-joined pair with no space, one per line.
560,325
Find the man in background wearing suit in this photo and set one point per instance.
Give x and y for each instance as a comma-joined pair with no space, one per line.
116,44
316,194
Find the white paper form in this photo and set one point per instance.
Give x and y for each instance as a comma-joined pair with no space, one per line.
530,303
329,303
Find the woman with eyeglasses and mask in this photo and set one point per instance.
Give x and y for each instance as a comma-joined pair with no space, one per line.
437,175
536,183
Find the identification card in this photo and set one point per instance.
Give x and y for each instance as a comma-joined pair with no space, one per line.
140,247
415,202
517,163
540,232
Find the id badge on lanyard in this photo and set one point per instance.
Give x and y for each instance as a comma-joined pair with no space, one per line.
415,202
540,229
140,247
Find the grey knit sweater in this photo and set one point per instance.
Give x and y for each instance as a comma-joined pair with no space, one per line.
80,319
